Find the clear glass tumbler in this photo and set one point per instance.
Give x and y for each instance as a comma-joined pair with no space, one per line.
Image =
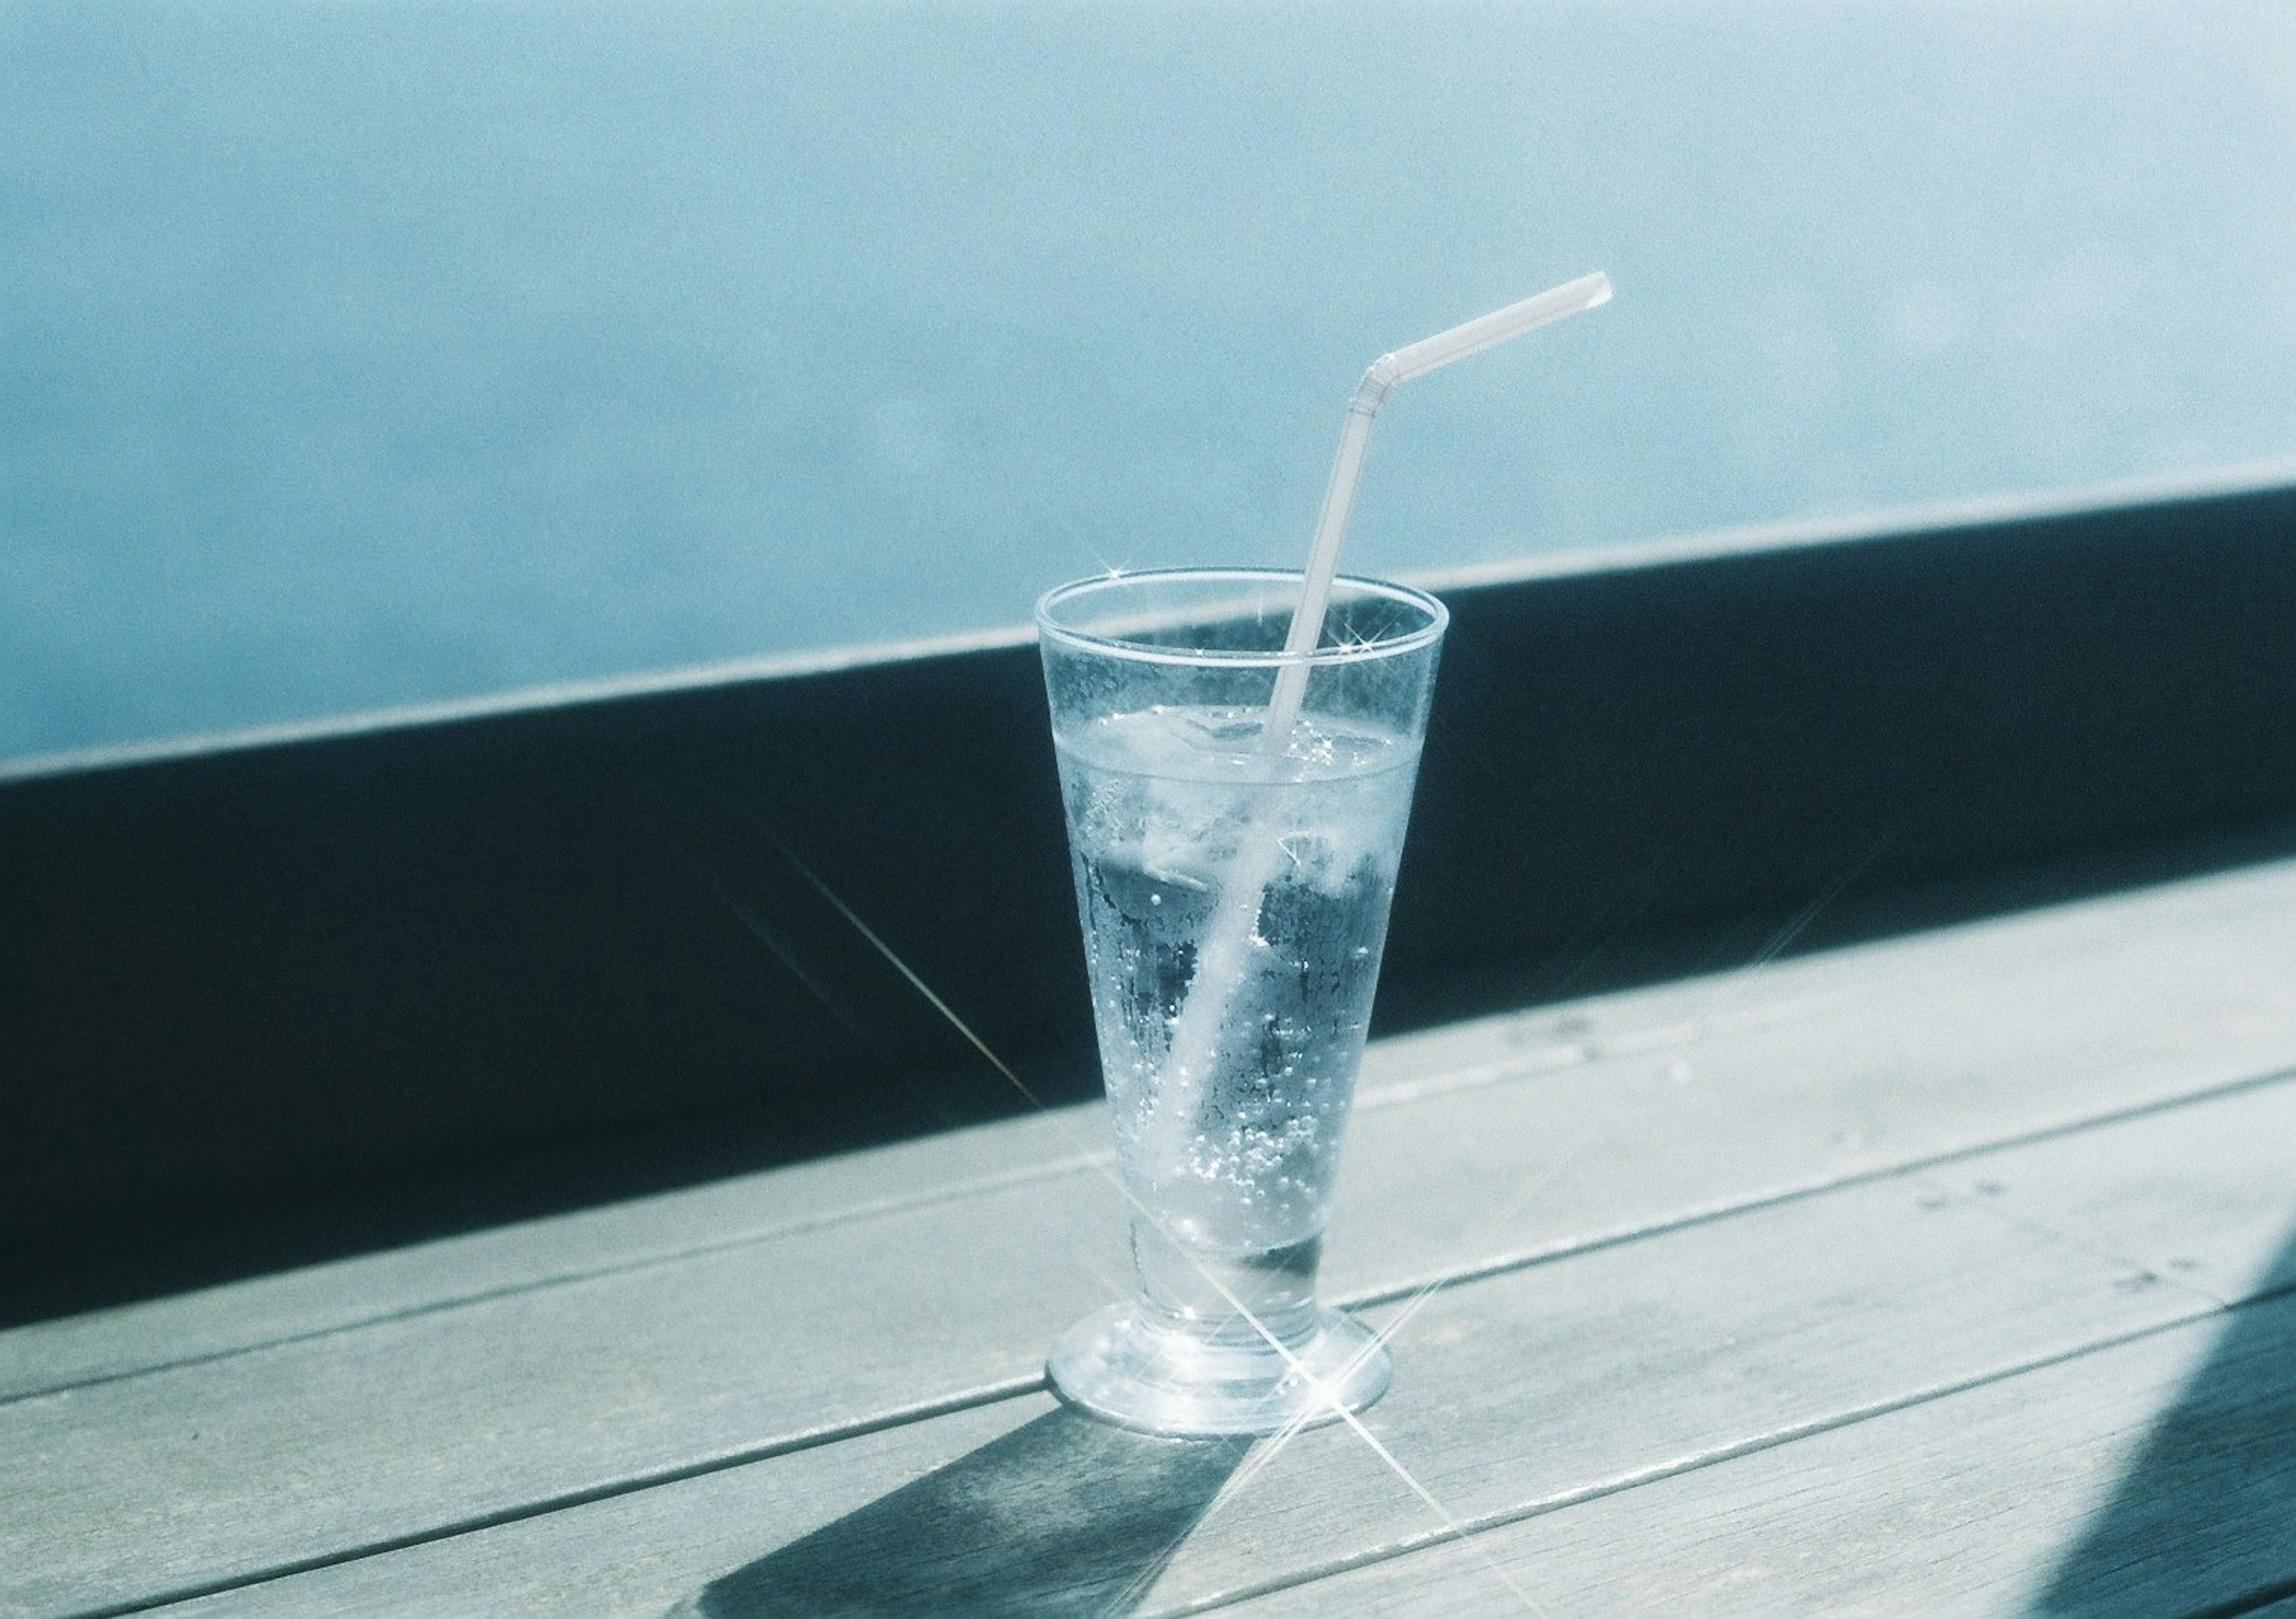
1234,889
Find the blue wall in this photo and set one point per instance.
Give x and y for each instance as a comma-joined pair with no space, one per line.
357,354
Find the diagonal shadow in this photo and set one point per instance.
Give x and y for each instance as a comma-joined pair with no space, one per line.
1063,1516
2203,1524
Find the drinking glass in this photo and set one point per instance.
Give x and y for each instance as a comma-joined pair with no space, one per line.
1233,886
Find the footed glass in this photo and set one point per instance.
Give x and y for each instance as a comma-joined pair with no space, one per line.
1233,888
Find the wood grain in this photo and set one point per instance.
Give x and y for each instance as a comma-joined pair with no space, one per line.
1538,1393
1480,1149
1587,1119
539,1253
2002,1502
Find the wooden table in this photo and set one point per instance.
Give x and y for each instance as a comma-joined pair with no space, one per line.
1947,1275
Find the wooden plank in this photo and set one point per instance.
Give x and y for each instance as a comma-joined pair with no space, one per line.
230,1466
1746,1332
96,1345
417,1424
2244,1175
665,1227
2155,1478
1594,1377
1879,1058
1687,1096
47,1355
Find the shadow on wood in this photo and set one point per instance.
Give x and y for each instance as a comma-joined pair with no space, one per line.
2209,1505
1063,1516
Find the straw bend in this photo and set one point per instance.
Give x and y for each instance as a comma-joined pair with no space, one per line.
1378,381
1399,365
1472,337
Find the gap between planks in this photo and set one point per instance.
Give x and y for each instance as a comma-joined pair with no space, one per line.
2038,1475
1764,1111
1919,1310
666,1229
557,1452
1016,1388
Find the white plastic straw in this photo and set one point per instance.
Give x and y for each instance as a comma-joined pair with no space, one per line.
1223,959
1469,337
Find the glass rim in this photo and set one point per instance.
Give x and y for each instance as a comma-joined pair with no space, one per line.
1119,645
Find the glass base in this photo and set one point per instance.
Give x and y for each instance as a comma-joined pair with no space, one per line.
1126,1364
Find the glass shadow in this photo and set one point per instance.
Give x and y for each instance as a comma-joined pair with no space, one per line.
1065,1515
2203,1524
